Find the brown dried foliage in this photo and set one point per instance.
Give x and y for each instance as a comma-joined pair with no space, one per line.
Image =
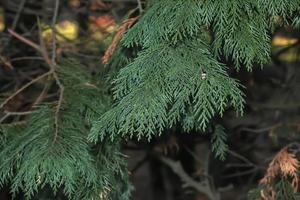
283,164
119,35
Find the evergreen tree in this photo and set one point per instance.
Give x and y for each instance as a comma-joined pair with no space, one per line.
170,69
179,75
51,149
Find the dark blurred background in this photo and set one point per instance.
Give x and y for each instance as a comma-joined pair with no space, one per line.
85,29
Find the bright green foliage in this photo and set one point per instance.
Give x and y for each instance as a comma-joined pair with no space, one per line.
218,140
240,27
156,95
37,156
177,77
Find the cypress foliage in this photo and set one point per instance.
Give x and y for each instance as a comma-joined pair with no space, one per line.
178,74
219,146
169,69
35,155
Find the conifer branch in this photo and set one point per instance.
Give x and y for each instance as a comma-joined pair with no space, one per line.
167,72
67,163
52,64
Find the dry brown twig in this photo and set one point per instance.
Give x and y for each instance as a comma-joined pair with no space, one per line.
117,38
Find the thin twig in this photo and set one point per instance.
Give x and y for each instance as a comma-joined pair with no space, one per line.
40,98
6,62
8,114
53,67
243,173
38,48
26,41
139,164
26,58
17,17
54,20
56,117
242,158
4,118
261,130
24,87
139,2
18,11
19,123
238,165
201,187
42,49
19,113
205,164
